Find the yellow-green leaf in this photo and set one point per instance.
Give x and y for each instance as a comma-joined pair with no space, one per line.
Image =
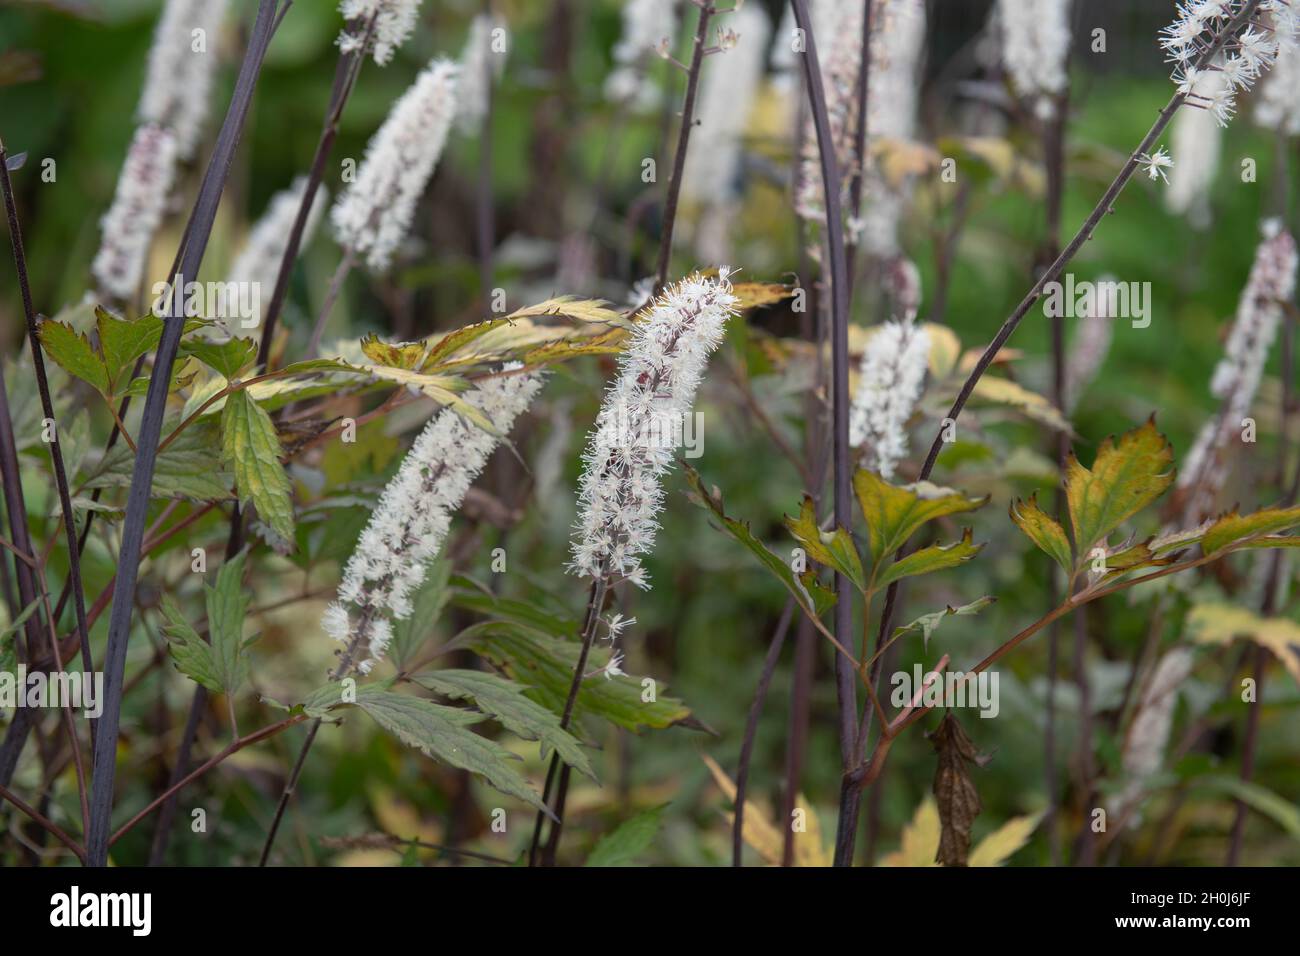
252,447
928,560
927,624
834,549
1233,528
1044,530
73,353
1000,845
893,512
1127,476
1003,391
1215,623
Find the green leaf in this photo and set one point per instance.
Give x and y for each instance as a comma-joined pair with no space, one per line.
441,732
812,597
546,665
220,665
834,549
1233,528
1125,477
73,353
928,560
122,342
1044,530
227,358
1264,801
187,468
894,513
250,443
8,653
410,632
628,841
504,700
927,624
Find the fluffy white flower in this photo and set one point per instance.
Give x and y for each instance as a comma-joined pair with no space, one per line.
258,261
407,529
182,61
640,426
1278,107
646,25
1035,48
137,209
729,84
1237,376
1197,142
889,385
394,23
480,64
373,214
1157,165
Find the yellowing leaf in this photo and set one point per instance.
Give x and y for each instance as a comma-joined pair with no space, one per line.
1233,528
1215,623
920,839
894,512
252,446
1003,391
754,294
1126,477
768,839
834,549
1000,845
936,557
945,349
1044,530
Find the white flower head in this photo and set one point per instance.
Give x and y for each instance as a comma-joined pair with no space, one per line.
394,21
1157,164
480,64
182,62
138,206
615,666
640,426
890,379
410,522
374,213
258,261
1035,48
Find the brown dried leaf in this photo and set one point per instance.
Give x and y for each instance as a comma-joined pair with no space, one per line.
954,790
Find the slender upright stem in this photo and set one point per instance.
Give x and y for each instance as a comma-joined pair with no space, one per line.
119,629
47,407
331,296
683,141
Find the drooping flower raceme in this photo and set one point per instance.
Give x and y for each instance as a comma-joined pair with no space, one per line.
373,214
1242,59
137,209
409,524
182,62
1035,48
1237,376
641,424
258,261
646,24
889,386
480,63
394,23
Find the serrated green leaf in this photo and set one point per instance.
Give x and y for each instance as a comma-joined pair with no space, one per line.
628,841
927,624
1044,530
1233,528
1125,477
812,597
192,655
426,608
441,733
187,468
928,560
505,701
894,513
252,446
834,549
226,358
218,663
73,353
546,665
122,342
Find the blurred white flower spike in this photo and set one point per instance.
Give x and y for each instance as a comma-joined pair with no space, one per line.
647,24
1036,50
394,22
182,62
640,425
890,379
407,529
373,214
